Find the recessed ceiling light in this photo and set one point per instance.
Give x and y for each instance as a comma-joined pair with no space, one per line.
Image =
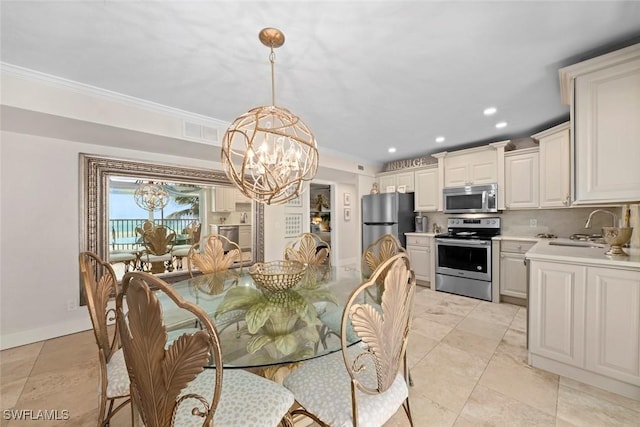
489,111
501,125
440,139
392,150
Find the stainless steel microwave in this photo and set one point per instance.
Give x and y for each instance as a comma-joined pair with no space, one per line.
471,199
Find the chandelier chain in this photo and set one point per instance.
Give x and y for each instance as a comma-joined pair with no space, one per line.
272,59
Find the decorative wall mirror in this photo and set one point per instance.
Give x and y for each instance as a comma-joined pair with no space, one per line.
112,208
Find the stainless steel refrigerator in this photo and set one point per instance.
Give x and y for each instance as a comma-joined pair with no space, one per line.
386,213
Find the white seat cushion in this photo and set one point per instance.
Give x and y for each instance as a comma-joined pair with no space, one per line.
156,258
181,250
117,376
246,400
121,257
323,387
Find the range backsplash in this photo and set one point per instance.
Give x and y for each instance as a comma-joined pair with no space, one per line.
561,222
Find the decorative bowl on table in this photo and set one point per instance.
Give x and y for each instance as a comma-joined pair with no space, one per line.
277,275
616,237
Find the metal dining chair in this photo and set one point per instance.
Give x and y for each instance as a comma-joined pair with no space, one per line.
158,241
365,383
99,285
217,253
211,257
170,385
179,252
378,252
309,249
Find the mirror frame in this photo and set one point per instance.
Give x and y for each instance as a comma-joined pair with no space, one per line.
94,194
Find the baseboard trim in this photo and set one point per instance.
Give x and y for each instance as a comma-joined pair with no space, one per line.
31,336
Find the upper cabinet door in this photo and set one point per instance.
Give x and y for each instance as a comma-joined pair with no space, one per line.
606,113
427,191
521,179
476,167
555,166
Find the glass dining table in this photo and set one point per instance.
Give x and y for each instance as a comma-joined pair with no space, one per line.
262,330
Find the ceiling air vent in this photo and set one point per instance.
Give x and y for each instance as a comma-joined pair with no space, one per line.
199,132
360,167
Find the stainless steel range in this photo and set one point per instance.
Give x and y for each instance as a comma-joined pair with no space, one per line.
463,257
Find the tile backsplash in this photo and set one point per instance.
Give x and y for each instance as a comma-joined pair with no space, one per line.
561,222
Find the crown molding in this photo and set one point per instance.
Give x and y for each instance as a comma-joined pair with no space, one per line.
108,95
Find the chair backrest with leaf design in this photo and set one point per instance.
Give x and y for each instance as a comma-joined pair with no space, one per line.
377,253
159,373
309,249
384,329
100,285
157,239
210,256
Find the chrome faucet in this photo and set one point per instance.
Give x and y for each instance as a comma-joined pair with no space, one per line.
614,218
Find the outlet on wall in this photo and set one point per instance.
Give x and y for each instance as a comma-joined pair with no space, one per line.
72,304
533,223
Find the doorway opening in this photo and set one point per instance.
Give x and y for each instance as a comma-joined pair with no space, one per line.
320,211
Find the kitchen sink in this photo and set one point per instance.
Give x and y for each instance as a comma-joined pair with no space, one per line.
577,244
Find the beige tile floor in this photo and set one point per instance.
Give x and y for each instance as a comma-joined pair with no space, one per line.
467,357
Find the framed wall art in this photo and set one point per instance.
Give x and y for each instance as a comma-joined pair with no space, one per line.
292,225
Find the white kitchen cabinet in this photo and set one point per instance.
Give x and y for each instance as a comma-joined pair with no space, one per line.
556,311
244,237
604,94
396,180
241,198
427,191
555,166
223,199
584,322
522,179
419,250
472,166
513,272
613,323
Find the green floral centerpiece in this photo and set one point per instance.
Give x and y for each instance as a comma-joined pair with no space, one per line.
280,323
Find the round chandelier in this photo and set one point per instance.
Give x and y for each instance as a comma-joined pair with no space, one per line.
269,153
151,197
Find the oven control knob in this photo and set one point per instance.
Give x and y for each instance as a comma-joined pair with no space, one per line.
479,268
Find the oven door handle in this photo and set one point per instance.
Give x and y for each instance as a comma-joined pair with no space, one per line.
462,242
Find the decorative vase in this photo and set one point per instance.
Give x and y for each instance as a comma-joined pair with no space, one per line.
616,237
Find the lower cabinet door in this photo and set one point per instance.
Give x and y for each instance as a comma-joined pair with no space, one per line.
513,275
613,324
420,262
557,307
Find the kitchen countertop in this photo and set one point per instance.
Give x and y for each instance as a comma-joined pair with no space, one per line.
577,255
231,223
519,238
416,233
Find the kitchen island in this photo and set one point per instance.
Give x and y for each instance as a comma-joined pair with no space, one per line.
584,315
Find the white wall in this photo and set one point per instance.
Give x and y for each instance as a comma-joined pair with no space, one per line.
39,187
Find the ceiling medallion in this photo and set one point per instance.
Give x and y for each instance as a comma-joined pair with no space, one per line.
269,153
